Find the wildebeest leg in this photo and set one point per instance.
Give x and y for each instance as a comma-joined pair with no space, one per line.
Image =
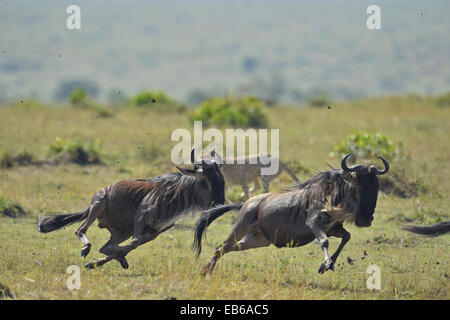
256,186
107,250
240,229
97,208
246,194
314,223
265,182
148,235
340,232
250,241
115,240
117,252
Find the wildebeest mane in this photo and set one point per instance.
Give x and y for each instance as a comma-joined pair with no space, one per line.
324,185
169,189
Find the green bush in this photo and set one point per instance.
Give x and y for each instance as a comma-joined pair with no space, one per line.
443,100
11,209
367,146
238,112
401,181
74,151
146,98
66,87
78,97
319,101
156,100
21,159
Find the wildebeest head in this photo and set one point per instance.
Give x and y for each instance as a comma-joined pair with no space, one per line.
211,182
364,181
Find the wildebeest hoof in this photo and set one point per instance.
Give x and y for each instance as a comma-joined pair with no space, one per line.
91,265
205,270
85,249
327,265
123,262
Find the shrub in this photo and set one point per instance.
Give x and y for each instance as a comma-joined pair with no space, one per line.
147,97
443,100
21,159
321,100
11,209
401,181
367,146
78,97
65,88
244,112
156,100
74,151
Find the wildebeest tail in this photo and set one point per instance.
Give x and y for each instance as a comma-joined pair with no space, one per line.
433,230
51,223
289,171
207,217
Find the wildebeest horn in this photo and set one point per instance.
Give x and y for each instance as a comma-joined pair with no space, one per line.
379,172
344,164
193,155
217,156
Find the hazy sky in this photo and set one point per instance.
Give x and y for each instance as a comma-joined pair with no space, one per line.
283,48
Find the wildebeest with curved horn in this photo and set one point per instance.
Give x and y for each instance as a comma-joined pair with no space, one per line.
315,209
143,208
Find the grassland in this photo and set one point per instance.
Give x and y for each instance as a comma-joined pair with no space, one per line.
136,144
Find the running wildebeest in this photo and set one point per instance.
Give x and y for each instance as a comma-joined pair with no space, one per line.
315,209
143,208
433,230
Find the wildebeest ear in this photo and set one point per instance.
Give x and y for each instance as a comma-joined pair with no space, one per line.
188,172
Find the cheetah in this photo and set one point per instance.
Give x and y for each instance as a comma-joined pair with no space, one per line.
246,173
